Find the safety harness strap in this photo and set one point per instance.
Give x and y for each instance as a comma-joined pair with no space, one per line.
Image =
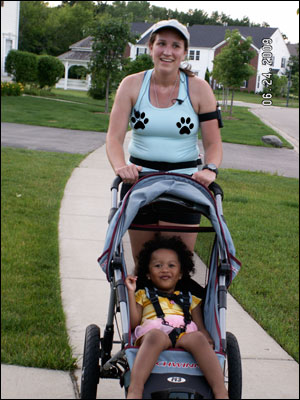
183,300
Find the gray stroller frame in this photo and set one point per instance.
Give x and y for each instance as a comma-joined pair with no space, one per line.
176,374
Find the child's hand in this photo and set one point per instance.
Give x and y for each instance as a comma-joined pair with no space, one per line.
130,282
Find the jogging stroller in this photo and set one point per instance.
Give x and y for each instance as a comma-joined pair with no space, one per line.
176,374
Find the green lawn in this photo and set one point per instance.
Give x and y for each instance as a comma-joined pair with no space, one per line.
257,99
58,114
263,217
245,128
33,329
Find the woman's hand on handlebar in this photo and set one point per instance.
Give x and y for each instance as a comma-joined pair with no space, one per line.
129,173
205,177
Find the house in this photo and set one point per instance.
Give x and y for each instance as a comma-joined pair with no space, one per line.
206,42
10,11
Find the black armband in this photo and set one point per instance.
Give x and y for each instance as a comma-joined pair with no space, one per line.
212,115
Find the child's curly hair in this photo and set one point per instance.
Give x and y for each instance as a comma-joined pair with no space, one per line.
174,243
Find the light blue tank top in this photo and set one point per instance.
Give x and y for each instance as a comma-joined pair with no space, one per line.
164,134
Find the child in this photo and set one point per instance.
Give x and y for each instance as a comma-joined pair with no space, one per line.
163,263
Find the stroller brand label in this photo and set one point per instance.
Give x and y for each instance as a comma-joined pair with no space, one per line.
176,364
176,379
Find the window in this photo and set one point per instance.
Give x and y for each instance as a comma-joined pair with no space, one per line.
141,50
8,47
283,62
194,55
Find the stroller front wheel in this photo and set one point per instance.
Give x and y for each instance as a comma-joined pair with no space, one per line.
234,367
90,364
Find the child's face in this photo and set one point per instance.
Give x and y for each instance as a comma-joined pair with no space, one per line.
164,269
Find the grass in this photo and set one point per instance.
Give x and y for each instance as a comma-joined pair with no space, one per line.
33,329
262,211
47,112
245,128
257,99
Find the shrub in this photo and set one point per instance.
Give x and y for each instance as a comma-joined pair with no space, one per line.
22,65
141,63
98,86
11,89
50,70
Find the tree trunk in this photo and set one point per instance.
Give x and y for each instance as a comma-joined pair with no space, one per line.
232,94
107,94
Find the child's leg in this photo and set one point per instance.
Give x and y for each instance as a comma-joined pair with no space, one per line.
197,344
152,344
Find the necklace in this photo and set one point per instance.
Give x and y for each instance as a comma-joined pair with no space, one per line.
156,97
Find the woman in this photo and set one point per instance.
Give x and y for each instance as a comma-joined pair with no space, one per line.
163,106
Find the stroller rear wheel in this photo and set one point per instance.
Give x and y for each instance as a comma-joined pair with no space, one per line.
234,367
90,364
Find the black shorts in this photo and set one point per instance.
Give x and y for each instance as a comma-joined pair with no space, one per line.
160,211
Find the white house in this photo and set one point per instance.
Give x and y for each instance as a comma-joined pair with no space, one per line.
206,41
10,11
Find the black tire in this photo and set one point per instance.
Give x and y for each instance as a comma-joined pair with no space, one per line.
90,364
234,367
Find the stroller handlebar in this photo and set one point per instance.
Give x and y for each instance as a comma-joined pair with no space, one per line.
214,187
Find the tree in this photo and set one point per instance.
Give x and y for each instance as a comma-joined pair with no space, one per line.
45,30
32,26
231,65
110,37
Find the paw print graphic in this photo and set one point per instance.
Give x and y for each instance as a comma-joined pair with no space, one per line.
139,120
185,125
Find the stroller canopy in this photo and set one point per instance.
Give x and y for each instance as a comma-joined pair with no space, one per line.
149,188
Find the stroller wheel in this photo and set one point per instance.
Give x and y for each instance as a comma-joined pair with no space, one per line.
90,364
233,371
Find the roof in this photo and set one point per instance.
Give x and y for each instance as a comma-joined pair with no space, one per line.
293,49
75,55
211,35
83,43
201,36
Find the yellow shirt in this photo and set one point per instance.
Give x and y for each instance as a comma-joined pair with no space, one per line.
169,307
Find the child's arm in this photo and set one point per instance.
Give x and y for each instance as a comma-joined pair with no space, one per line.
198,319
135,309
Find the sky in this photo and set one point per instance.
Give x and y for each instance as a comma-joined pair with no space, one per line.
277,14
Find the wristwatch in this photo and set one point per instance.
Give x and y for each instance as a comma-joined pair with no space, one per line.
211,167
